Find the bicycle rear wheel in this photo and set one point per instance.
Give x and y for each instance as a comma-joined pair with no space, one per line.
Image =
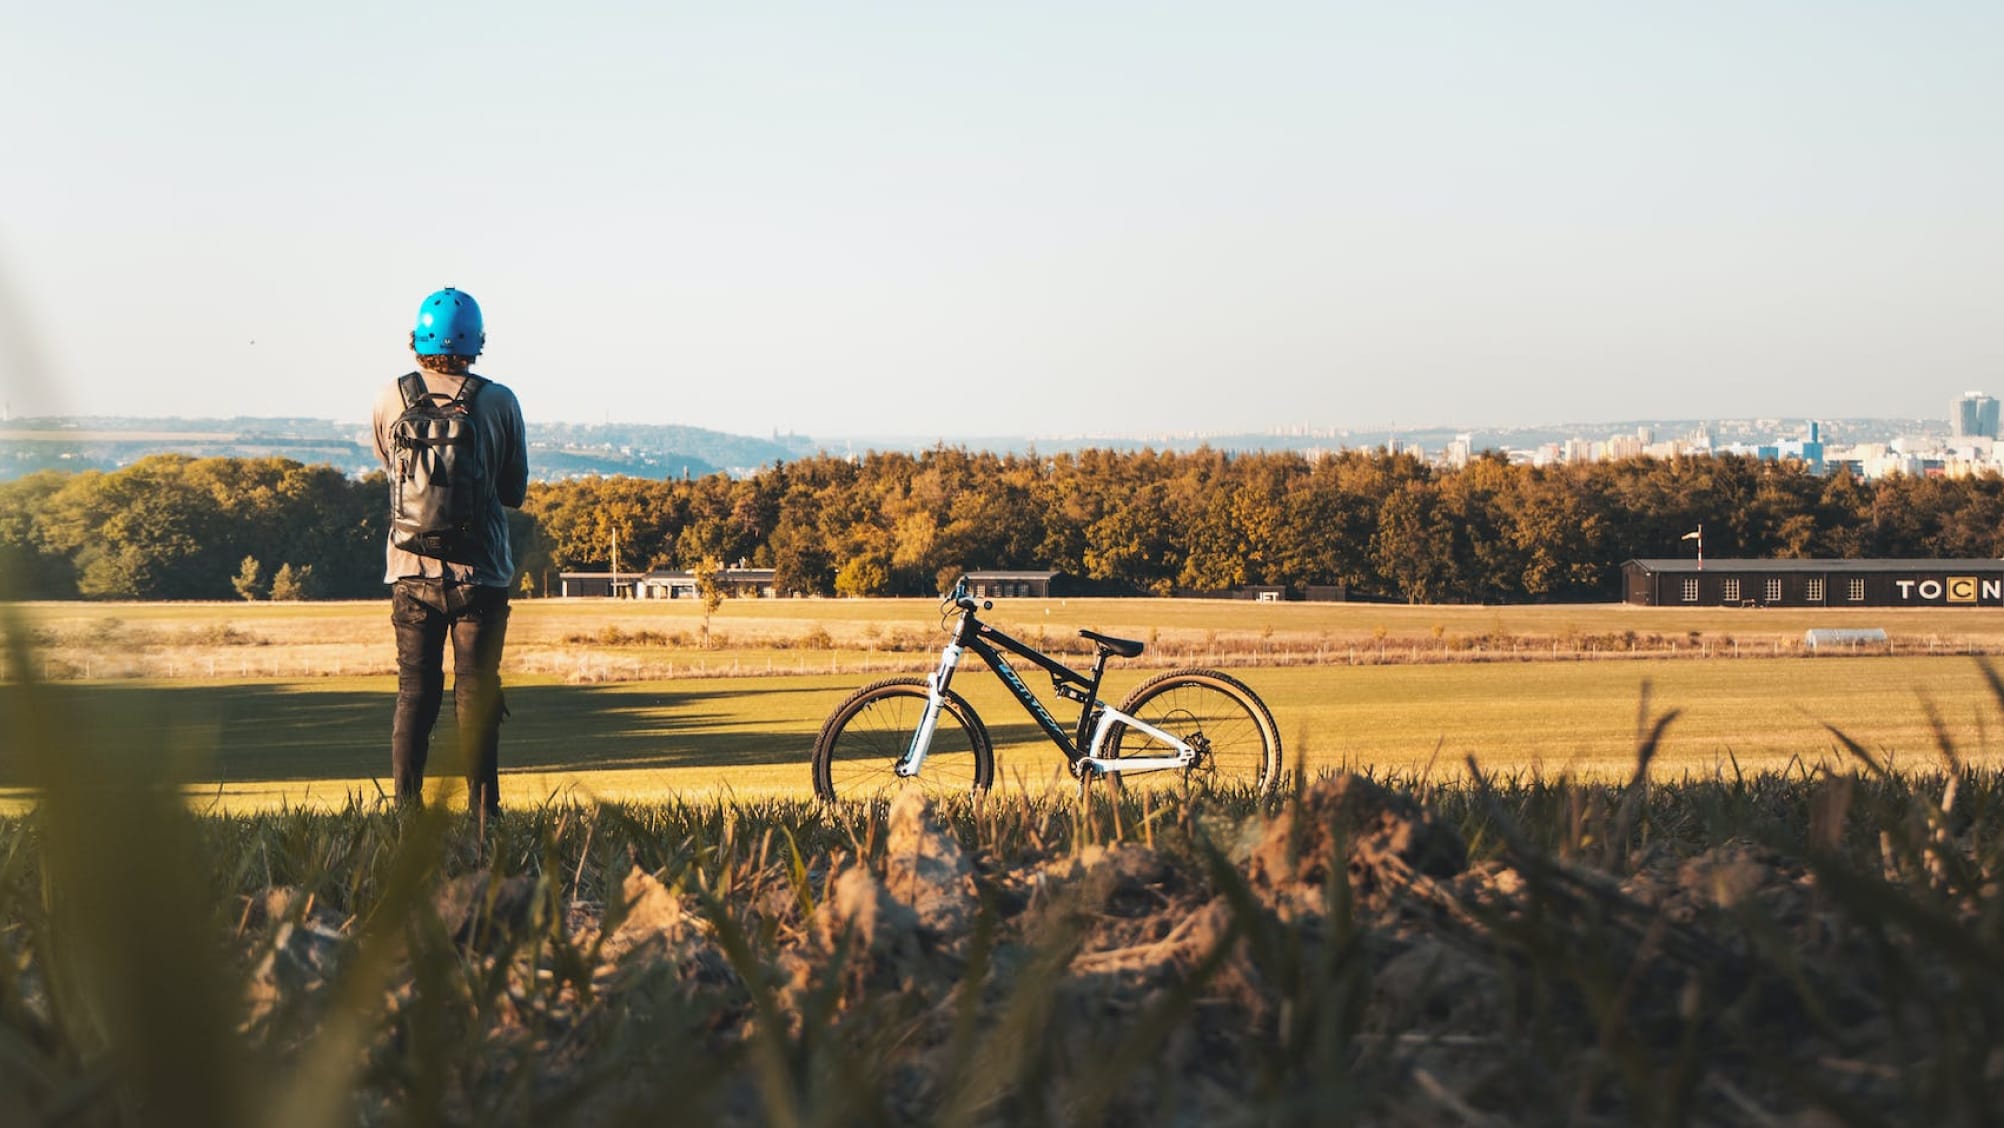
1238,745
859,748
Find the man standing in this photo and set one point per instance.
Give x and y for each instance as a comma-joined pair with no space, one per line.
453,444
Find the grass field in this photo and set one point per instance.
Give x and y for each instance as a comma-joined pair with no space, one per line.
289,703
263,742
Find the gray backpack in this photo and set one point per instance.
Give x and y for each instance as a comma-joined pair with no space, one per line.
438,481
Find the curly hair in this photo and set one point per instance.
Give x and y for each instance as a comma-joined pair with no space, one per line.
447,365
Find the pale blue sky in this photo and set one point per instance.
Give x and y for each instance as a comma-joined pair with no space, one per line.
928,218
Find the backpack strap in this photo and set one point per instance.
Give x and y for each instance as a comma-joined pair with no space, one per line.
411,385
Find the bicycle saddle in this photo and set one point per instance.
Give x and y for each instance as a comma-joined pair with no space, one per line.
1121,647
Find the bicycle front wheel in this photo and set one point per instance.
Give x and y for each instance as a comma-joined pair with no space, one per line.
1237,743
859,748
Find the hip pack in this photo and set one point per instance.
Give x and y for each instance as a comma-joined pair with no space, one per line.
438,482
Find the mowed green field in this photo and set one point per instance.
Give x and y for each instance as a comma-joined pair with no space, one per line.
264,742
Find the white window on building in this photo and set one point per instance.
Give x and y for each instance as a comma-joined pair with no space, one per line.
1733,591
1691,590
1774,589
1857,589
1815,592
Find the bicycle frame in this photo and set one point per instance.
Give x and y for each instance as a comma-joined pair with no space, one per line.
1096,717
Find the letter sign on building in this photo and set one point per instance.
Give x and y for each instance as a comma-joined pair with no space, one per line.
1962,589
1930,589
1906,588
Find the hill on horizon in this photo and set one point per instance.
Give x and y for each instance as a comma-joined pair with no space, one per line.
557,450
666,450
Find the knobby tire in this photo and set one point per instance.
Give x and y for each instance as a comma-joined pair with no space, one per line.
1242,742
864,738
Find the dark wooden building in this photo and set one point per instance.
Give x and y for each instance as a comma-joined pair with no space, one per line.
1814,583
1015,585
572,585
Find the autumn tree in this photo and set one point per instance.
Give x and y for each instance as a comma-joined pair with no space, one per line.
249,580
869,574
708,573
292,583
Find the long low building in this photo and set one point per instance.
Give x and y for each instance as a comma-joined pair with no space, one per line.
1004,584
573,585
668,583
664,583
1813,583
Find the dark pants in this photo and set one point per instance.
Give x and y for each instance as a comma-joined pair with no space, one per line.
426,614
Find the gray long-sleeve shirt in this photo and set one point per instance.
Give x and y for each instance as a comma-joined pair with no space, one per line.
497,417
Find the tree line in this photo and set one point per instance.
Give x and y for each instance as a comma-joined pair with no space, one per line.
173,527
1387,526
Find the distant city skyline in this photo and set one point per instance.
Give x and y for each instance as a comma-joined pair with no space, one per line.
906,218
1973,415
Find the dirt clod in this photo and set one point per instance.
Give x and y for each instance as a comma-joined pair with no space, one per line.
926,870
478,910
299,954
1384,834
656,920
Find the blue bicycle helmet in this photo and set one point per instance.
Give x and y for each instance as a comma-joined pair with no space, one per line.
448,324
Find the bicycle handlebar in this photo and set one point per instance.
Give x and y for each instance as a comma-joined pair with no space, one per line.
965,601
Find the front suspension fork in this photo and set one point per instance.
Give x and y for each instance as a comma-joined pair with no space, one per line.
935,699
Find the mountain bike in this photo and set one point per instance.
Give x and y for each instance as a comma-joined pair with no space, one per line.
1203,724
